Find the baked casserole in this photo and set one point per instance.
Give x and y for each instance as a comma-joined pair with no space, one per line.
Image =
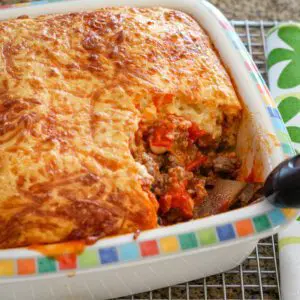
111,121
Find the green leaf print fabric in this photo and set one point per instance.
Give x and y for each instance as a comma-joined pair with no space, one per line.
290,76
283,45
289,107
284,76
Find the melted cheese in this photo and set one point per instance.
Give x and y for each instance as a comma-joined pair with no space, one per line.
73,89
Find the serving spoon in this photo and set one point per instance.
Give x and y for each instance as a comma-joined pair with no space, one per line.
282,186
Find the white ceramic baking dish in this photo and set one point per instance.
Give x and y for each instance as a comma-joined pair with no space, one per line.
120,266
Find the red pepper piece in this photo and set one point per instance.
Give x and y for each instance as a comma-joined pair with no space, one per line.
199,161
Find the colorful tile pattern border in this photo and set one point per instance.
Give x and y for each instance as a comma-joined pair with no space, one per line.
139,250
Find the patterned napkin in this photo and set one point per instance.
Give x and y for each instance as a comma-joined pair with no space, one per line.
283,46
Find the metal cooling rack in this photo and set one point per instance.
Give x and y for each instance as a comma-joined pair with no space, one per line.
258,276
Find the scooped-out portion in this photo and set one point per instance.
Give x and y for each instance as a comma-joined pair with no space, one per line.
193,172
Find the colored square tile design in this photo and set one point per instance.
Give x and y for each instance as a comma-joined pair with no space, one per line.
223,24
248,66
169,244
188,241
253,65
129,252
7,267
26,266
261,223
260,77
236,44
225,232
21,4
39,2
244,227
89,258
5,6
253,75
273,112
207,236
290,213
277,217
268,101
149,248
244,52
282,136
268,91
46,264
67,261
260,88
108,255
287,149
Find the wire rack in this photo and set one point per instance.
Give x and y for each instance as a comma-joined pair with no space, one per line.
258,276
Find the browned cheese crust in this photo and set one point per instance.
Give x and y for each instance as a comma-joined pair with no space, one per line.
73,89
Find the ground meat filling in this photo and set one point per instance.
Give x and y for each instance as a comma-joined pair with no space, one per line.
184,161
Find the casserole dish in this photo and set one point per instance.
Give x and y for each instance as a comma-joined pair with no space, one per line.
119,266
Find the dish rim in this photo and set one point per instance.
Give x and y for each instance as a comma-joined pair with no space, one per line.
180,238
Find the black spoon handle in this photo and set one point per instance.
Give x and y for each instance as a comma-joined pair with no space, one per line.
288,199
283,183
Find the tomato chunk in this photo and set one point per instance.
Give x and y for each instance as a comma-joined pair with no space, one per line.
195,132
177,198
162,136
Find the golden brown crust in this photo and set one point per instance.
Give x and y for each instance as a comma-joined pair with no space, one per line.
73,89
